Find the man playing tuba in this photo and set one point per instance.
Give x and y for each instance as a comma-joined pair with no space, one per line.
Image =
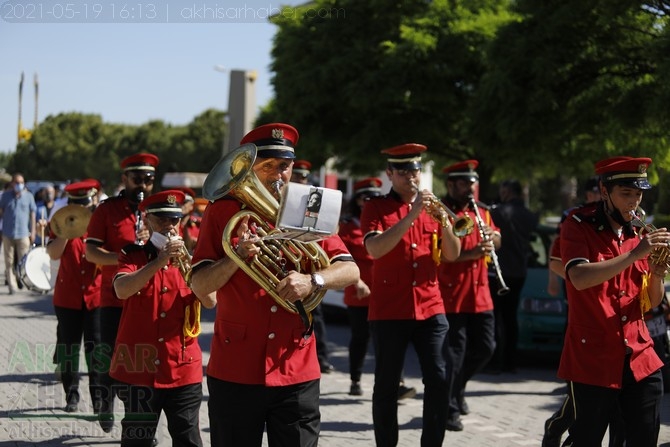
263,372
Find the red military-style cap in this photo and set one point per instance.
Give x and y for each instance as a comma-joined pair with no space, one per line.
369,186
140,162
405,156
84,189
189,193
274,140
624,171
164,204
598,165
302,167
463,169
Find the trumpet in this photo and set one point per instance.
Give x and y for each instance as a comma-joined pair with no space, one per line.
182,261
659,255
462,226
503,289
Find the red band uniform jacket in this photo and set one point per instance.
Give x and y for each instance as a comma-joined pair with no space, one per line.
404,281
351,234
256,341
112,227
151,349
465,284
605,322
78,281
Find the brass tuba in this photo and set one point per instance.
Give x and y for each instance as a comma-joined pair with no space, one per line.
233,176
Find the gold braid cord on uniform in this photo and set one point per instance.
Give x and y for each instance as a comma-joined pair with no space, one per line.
436,251
192,329
645,301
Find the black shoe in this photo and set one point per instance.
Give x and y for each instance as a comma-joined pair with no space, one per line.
106,417
154,442
463,407
550,439
106,421
355,389
405,392
71,407
454,423
327,368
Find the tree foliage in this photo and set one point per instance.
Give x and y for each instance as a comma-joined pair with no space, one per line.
370,75
75,146
536,90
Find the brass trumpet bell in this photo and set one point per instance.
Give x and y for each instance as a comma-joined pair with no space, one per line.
441,213
71,221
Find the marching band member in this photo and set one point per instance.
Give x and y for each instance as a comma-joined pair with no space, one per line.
405,302
263,373
76,300
115,223
156,356
464,283
608,356
357,296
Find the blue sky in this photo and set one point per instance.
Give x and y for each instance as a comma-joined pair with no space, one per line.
130,72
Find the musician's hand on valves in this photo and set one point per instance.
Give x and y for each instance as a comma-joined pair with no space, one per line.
171,250
295,286
659,238
423,200
246,240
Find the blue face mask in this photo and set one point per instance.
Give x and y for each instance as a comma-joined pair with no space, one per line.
18,187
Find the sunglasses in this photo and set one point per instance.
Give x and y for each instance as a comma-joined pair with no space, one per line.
171,220
140,179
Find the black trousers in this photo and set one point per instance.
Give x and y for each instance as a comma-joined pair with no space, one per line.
391,339
562,419
639,402
238,414
360,339
506,323
470,345
143,406
109,326
73,324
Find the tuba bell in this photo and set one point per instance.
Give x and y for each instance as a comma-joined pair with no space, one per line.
233,176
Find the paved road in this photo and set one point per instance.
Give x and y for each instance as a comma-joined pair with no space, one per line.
506,409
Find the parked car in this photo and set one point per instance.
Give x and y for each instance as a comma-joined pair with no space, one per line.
541,316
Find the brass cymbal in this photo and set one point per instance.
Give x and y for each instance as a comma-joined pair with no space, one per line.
70,221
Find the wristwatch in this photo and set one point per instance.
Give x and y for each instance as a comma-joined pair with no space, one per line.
317,281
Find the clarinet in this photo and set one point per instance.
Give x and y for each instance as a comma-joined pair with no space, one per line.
494,257
138,219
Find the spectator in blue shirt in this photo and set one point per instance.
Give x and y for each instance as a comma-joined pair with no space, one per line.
17,208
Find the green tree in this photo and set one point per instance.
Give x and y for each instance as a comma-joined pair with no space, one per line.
575,81
361,76
74,146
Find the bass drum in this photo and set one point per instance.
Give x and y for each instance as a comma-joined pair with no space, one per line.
34,270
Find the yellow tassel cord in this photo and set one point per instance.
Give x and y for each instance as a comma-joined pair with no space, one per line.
645,302
192,329
435,248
